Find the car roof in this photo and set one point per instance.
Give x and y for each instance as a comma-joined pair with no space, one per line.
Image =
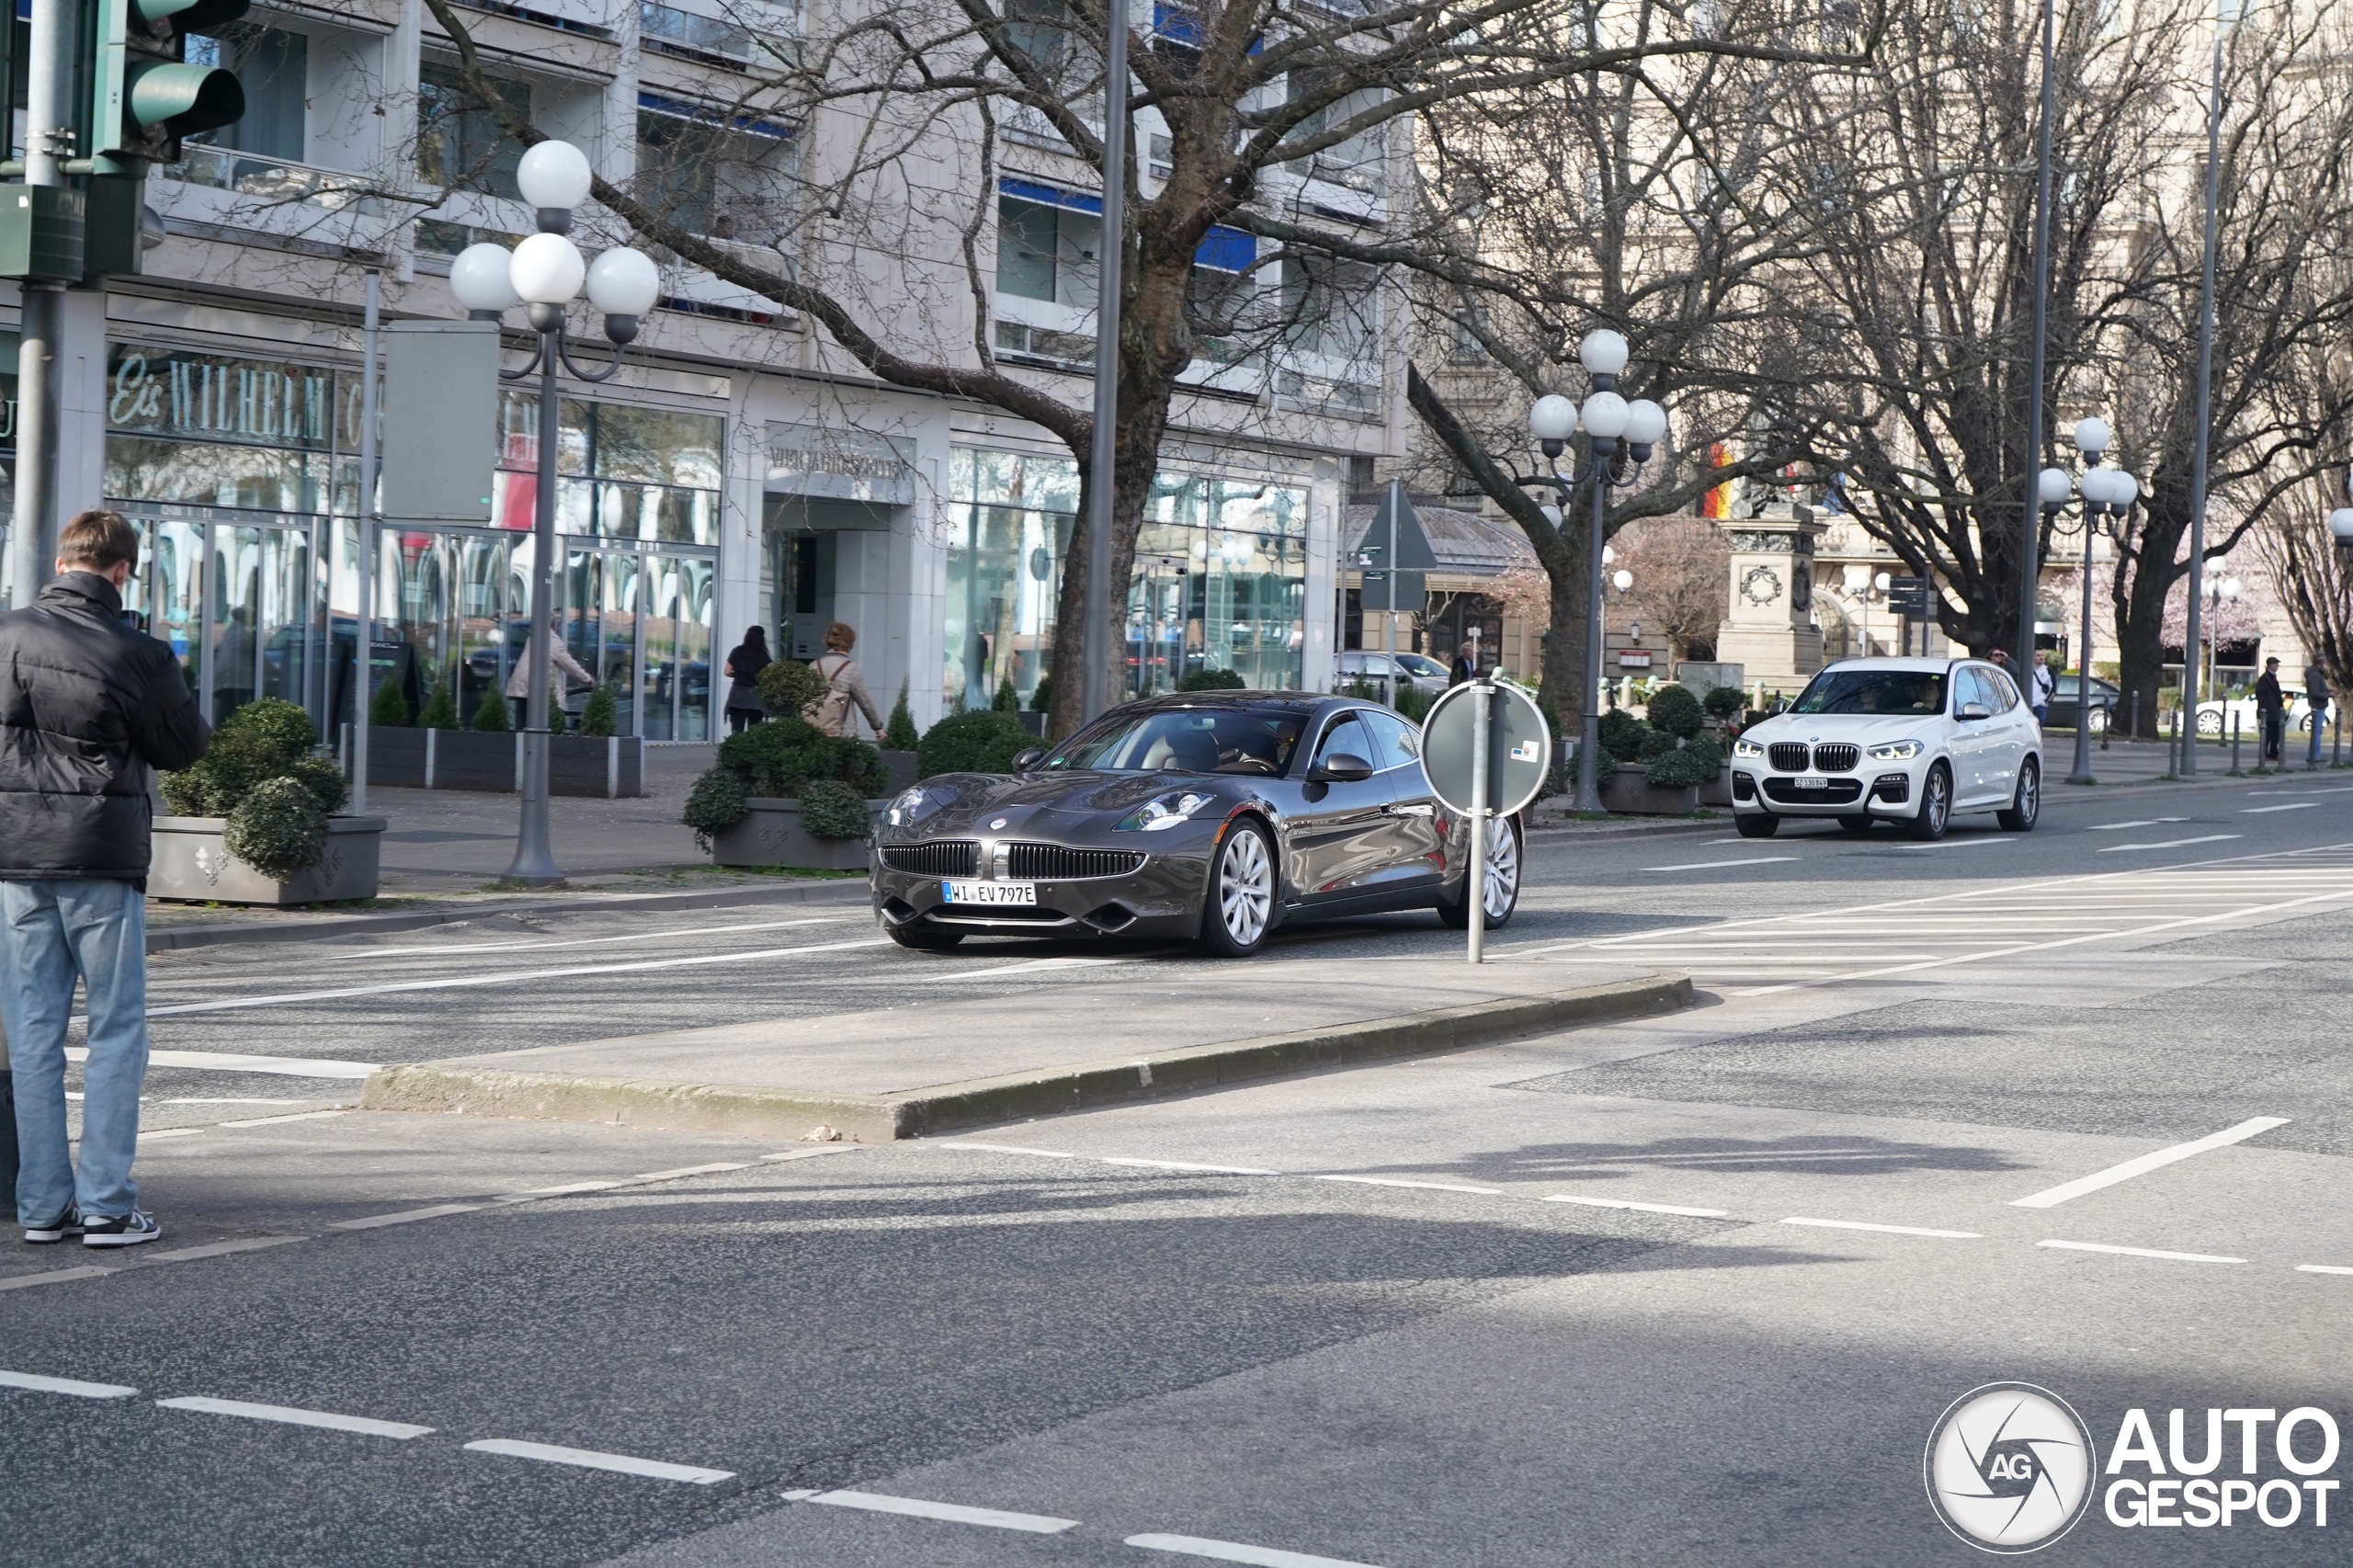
1300,701
1892,661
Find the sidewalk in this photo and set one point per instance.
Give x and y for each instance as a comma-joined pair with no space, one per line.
918,1069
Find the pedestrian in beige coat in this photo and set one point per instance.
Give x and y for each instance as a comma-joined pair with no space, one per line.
845,686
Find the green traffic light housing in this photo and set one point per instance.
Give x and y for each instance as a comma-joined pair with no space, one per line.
179,101
144,94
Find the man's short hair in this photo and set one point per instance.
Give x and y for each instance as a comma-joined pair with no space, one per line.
97,541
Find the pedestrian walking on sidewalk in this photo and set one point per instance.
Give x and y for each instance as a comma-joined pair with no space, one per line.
88,706
744,663
2038,696
1466,665
845,686
559,663
2272,712
2316,698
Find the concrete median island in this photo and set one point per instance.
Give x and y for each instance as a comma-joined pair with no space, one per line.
924,1069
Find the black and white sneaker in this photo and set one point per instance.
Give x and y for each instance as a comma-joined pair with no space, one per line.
55,1230
119,1230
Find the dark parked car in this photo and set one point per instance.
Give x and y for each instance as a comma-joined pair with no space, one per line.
1212,817
2062,703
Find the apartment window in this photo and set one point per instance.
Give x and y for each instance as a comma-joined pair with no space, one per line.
1040,29
1027,233
273,67
1331,307
458,142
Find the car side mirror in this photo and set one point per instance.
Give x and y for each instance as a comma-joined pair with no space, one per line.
1028,757
1974,710
1340,768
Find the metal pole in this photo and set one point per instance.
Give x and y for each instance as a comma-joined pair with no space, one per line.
2234,743
2082,772
1389,626
1483,691
1590,744
363,693
33,537
2205,366
1102,455
534,864
2028,569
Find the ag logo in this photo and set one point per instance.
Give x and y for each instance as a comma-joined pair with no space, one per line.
2009,1467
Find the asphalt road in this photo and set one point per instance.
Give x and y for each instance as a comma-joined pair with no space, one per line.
1688,1291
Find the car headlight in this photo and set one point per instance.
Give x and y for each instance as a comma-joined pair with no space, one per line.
1897,751
905,809
1746,748
1165,812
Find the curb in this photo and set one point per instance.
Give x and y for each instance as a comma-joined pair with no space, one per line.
1601,833
451,1086
170,938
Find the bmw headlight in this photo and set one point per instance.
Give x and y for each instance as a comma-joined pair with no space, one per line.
1746,748
1897,751
1165,812
907,808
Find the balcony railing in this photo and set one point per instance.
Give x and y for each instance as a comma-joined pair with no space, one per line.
274,179
668,31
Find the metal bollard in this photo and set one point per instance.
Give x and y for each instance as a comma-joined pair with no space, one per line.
2234,743
2337,758
2173,748
2135,731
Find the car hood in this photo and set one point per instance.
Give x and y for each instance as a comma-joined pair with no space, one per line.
962,805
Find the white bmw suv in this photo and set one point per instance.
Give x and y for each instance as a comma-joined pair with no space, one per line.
1911,741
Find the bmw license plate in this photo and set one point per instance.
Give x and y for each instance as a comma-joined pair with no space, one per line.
1810,781
989,893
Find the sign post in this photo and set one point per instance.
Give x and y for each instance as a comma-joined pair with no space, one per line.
1485,750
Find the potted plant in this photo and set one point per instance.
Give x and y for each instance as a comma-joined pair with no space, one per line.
445,752
982,740
900,739
1662,764
254,820
782,793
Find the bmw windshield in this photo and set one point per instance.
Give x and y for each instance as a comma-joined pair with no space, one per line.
1197,740
1910,693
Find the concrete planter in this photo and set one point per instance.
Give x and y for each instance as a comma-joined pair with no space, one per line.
192,862
772,836
608,765
1627,791
898,771
1719,792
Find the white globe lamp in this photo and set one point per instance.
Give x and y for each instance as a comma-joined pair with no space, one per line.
2091,438
1603,352
1646,423
624,284
554,177
1553,419
480,279
1606,416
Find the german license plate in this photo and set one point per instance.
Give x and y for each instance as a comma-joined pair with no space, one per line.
989,893
1810,781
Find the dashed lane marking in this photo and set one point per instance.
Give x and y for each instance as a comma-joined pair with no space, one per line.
35,1382
216,1249
692,1170
2296,806
2172,842
1192,1166
1886,1229
1425,1186
1720,865
1014,1149
227,1061
1236,1552
461,950
2140,1252
2136,822
2321,1268
374,1222
954,1513
589,1458
274,1120
367,1426
2050,1197
1641,1208
53,1277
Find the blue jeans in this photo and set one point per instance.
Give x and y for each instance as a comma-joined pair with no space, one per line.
94,928
2320,718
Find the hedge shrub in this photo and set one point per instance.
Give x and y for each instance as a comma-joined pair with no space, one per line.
601,714
1695,762
441,710
490,715
831,808
899,730
1621,735
261,774
1724,702
1673,710
778,758
1655,744
278,828
788,686
983,740
1213,680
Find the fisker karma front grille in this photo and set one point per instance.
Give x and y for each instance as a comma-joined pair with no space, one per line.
1837,758
1788,756
1052,862
948,858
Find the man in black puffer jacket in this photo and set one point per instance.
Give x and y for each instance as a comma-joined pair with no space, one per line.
87,705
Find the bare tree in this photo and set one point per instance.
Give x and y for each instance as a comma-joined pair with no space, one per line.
1680,567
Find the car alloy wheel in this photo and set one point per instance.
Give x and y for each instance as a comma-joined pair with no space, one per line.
1241,893
1503,874
2027,804
2210,724
1935,804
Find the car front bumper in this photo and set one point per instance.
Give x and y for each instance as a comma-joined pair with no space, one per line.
1889,790
1159,900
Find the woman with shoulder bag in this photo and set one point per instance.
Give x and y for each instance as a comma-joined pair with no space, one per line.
745,708
845,686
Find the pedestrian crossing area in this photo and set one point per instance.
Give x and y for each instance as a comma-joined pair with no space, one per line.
2010,921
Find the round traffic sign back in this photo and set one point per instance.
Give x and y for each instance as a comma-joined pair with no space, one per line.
1519,747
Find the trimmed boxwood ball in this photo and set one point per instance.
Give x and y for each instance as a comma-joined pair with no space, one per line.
261,741
788,686
1621,735
1676,710
278,828
783,758
1724,702
980,742
715,805
1213,680
1695,762
1655,744
831,808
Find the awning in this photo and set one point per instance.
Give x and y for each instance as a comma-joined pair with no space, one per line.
674,108
1223,249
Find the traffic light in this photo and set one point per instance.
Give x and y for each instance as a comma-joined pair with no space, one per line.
145,96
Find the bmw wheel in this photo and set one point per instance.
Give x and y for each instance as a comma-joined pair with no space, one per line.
2027,804
2210,723
1935,806
1502,882
1757,824
1241,903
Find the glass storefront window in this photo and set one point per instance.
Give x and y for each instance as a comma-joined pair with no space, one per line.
667,465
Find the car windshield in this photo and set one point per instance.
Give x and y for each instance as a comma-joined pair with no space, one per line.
1873,691
1194,740
1417,666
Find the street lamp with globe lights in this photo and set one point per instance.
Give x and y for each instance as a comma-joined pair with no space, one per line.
2107,496
545,274
1866,590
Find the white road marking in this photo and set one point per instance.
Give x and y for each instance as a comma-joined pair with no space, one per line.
692,1170
172,1133
2258,810
1032,966
1013,1149
2052,1198
39,1384
588,1459
235,1100
2140,1252
2172,842
570,1187
1235,1552
954,1513
1719,865
2321,1268
274,1120
1188,1165
467,949
504,977
374,1222
1890,1230
1641,1208
225,1062
53,1277
1428,1186
2136,822
218,1249
1978,842
367,1426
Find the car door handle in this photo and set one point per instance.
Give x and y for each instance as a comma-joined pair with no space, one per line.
1414,809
